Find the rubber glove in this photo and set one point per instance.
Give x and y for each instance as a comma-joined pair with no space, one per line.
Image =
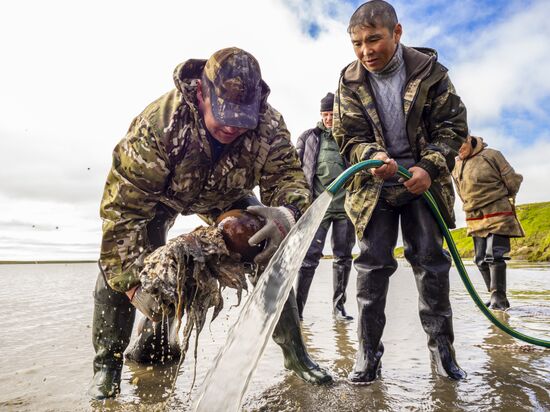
278,222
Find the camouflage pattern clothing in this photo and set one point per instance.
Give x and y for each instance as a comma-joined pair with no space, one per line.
166,159
435,124
487,185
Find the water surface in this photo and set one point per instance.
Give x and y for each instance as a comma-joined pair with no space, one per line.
45,341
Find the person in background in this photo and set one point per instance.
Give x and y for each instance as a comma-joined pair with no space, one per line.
322,163
488,185
198,149
397,104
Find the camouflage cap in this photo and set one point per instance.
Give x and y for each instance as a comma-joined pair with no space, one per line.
235,87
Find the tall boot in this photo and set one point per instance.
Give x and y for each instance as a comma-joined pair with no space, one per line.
498,286
442,354
486,275
288,336
111,331
340,278
371,298
431,263
305,277
156,343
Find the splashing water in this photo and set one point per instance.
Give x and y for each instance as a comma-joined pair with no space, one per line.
227,380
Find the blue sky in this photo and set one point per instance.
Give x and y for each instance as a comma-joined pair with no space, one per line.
75,74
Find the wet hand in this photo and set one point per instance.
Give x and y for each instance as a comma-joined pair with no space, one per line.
419,182
387,170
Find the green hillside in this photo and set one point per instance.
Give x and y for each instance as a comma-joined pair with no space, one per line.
534,247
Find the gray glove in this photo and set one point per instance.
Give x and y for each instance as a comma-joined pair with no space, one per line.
147,304
278,222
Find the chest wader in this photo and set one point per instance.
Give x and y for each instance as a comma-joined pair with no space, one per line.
113,322
491,262
423,244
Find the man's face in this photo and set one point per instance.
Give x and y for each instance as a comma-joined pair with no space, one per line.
222,133
375,46
327,119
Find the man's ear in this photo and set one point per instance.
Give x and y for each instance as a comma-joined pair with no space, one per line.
397,32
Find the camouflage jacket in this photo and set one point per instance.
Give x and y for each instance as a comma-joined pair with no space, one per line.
165,158
435,122
487,185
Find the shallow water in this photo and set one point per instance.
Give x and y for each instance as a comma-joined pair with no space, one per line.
46,351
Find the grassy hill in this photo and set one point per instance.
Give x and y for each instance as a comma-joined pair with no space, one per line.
534,247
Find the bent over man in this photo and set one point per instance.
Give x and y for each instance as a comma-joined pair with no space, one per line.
200,148
397,104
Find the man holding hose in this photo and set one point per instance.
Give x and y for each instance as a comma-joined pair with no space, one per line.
397,104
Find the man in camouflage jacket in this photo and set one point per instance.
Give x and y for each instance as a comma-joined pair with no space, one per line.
487,185
200,148
397,104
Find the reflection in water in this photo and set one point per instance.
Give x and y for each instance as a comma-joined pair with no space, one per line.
46,351
508,358
345,349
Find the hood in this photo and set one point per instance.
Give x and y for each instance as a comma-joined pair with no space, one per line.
472,146
187,73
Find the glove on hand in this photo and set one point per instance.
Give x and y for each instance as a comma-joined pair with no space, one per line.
147,304
278,222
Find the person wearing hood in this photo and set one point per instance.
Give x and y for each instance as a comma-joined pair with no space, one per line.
199,149
322,163
397,104
488,185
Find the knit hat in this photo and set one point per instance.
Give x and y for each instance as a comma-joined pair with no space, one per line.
327,102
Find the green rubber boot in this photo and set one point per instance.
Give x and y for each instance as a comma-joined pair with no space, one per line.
288,336
111,331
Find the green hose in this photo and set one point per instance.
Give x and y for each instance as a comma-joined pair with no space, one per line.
337,184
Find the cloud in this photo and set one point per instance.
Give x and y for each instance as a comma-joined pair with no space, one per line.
75,74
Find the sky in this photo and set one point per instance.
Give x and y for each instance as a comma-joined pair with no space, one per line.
75,73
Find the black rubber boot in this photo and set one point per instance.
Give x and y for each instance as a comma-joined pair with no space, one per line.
340,278
156,343
486,275
305,277
480,247
423,243
498,286
288,336
372,289
111,331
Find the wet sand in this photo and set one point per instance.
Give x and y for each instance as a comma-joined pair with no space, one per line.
45,341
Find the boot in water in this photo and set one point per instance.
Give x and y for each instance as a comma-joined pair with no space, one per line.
288,336
368,365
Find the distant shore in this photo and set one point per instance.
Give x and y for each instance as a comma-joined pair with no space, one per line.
41,262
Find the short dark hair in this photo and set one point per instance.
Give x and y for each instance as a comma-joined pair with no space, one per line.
374,13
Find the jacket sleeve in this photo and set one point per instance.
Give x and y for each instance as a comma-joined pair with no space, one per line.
300,146
351,128
133,188
510,178
282,180
447,128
